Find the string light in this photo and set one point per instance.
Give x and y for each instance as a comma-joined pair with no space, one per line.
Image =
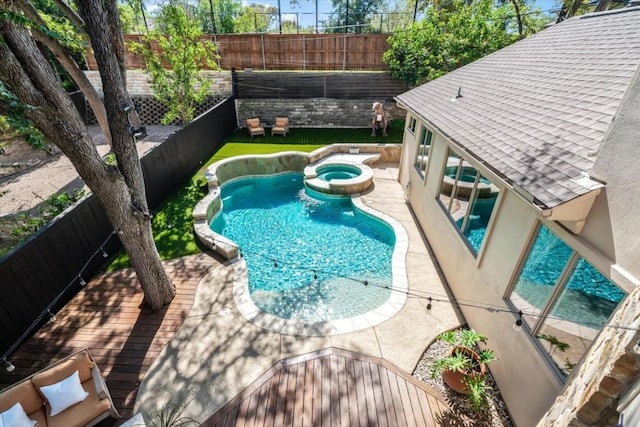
104,253
47,311
10,367
433,297
517,326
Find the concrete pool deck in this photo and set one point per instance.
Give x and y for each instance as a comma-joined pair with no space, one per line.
217,352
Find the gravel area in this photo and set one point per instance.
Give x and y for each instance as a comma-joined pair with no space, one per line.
493,415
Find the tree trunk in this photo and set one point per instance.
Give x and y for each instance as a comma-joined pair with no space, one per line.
70,66
516,8
120,189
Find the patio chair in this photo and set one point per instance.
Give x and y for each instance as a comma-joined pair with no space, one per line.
254,128
281,126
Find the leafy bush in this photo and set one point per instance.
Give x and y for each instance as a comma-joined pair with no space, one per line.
28,224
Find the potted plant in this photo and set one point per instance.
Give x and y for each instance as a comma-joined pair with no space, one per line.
463,368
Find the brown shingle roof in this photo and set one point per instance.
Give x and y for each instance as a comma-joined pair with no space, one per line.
534,110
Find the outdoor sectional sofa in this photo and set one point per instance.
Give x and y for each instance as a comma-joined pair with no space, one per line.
53,396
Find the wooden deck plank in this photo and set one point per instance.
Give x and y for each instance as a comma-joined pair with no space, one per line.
316,410
263,397
343,390
334,390
372,413
353,395
425,407
406,402
309,375
298,409
397,399
281,398
376,382
272,400
290,395
388,397
415,404
326,392
361,395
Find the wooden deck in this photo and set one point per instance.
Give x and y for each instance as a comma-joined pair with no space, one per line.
334,387
105,318
328,388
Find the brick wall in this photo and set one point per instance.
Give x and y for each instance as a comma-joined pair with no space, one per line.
138,82
607,372
315,112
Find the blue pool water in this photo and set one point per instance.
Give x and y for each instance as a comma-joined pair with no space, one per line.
329,172
307,257
588,299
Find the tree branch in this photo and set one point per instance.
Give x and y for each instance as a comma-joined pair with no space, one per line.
68,64
70,14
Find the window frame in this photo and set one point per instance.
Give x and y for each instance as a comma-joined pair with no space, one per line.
451,152
556,293
426,135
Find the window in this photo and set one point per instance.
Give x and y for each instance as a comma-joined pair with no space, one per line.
422,155
469,198
564,300
412,124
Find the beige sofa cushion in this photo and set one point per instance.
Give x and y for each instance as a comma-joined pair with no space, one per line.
80,362
253,123
81,413
26,394
281,122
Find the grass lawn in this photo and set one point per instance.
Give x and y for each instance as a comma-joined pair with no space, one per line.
173,224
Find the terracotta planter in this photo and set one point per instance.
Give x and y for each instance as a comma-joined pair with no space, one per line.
455,379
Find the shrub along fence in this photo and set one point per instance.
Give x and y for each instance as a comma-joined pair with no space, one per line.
43,273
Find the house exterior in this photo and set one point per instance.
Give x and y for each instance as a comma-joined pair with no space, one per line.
522,171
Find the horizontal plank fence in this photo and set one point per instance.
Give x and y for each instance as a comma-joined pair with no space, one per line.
338,85
341,52
43,273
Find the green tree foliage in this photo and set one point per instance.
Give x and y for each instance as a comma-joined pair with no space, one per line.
449,38
360,17
132,17
256,18
181,86
221,12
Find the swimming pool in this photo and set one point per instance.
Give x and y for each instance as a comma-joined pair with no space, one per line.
310,256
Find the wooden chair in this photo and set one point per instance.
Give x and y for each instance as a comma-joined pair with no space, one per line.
254,128
281,126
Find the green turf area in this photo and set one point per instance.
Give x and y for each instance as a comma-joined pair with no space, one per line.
323,136
172,223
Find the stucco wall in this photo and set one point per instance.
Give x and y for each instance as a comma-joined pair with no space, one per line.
527,383
617,166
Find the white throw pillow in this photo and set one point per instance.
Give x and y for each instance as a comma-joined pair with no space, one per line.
64,394
16,417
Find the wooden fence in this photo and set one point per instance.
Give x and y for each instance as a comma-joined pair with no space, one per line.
43,273
345,52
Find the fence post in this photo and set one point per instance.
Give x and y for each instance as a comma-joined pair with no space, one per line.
234,83
264,62
344,52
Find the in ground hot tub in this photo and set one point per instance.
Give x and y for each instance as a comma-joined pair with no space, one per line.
338,178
